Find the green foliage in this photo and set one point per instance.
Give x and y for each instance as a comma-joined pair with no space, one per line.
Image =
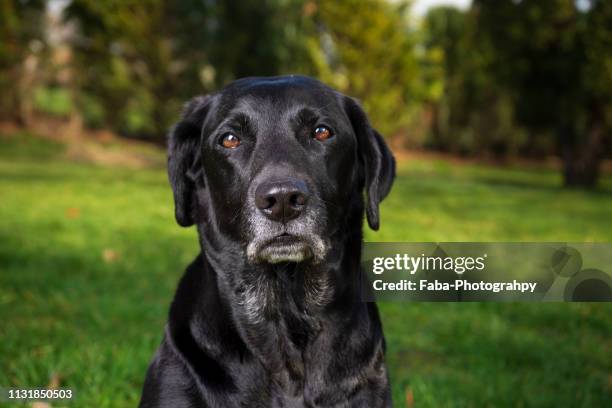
503,78
470,112
365,50
21,35
90,258
254,38
54,101
538,53
92,110
552,59
598,54
19,24
143,59
126,59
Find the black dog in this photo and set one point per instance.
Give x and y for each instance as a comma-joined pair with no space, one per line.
273,171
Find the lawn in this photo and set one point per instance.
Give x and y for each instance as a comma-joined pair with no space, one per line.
90,256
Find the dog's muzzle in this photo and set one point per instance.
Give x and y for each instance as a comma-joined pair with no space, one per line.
287,248
283,227
284,248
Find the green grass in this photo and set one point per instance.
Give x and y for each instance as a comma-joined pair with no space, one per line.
90,256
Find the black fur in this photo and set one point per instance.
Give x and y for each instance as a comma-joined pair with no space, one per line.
247,331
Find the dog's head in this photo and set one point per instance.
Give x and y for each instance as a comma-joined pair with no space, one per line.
277,165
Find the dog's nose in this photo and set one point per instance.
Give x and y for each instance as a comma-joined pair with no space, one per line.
282,200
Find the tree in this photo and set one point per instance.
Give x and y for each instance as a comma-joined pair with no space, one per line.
470,112
364,49
256,38
138,59
141,59
554,60
21,35
443,29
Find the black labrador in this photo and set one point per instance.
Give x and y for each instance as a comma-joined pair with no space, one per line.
270,314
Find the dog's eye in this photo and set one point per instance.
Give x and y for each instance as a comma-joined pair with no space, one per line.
230,141
322,133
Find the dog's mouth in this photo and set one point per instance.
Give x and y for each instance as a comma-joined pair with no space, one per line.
284,238
284,248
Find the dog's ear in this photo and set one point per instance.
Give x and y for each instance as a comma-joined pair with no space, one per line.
376,159
185,158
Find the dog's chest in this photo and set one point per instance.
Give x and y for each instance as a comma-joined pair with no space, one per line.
294,362
299,385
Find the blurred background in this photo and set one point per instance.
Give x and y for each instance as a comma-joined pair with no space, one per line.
497,79
498,111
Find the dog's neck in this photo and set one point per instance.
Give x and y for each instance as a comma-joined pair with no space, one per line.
279,309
